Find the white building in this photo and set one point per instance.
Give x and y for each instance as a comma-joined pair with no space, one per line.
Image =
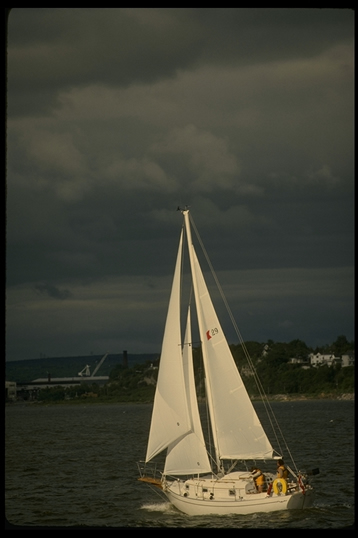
10,390
317,359
348,359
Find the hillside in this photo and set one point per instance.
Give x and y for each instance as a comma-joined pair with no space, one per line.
30,369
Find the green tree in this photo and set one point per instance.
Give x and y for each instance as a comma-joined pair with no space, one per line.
51,394
341,345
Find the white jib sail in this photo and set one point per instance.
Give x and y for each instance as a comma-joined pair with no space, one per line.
170,417
189,455
239,433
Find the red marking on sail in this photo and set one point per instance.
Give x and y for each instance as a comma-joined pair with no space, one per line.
208,335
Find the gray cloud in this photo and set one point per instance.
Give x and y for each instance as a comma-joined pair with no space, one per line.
117,116
53,48
53,291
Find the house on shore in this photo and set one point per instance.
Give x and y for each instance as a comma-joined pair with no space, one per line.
318,359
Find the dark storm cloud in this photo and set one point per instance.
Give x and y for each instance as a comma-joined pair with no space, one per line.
53,291
54,49
117,116
117,46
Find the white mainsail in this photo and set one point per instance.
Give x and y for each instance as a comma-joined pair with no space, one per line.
238,431
189,456
170,418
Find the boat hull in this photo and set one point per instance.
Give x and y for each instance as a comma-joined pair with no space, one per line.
197,498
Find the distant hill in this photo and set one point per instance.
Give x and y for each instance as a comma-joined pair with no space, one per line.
30,369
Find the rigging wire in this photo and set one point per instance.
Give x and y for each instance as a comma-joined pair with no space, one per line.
269,411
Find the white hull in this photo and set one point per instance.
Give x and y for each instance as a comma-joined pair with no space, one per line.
230,496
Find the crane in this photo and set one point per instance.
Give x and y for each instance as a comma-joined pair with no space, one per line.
99,364
85,372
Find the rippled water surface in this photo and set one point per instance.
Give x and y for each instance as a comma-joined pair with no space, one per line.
75,465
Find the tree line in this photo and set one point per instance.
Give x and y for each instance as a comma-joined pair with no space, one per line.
270,362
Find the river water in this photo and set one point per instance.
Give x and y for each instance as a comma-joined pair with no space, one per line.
75,466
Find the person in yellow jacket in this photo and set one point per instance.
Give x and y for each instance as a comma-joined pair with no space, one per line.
282,474
259,479
281,470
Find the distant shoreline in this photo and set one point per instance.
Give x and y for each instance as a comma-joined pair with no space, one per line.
302,397
271,398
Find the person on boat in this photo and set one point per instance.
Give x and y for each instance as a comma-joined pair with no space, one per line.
259,479
282,472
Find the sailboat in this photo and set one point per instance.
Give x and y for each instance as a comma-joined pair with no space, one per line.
196,481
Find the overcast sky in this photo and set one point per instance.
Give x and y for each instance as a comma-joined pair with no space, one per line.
117,116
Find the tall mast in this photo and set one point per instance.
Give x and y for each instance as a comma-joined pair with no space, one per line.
202,332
